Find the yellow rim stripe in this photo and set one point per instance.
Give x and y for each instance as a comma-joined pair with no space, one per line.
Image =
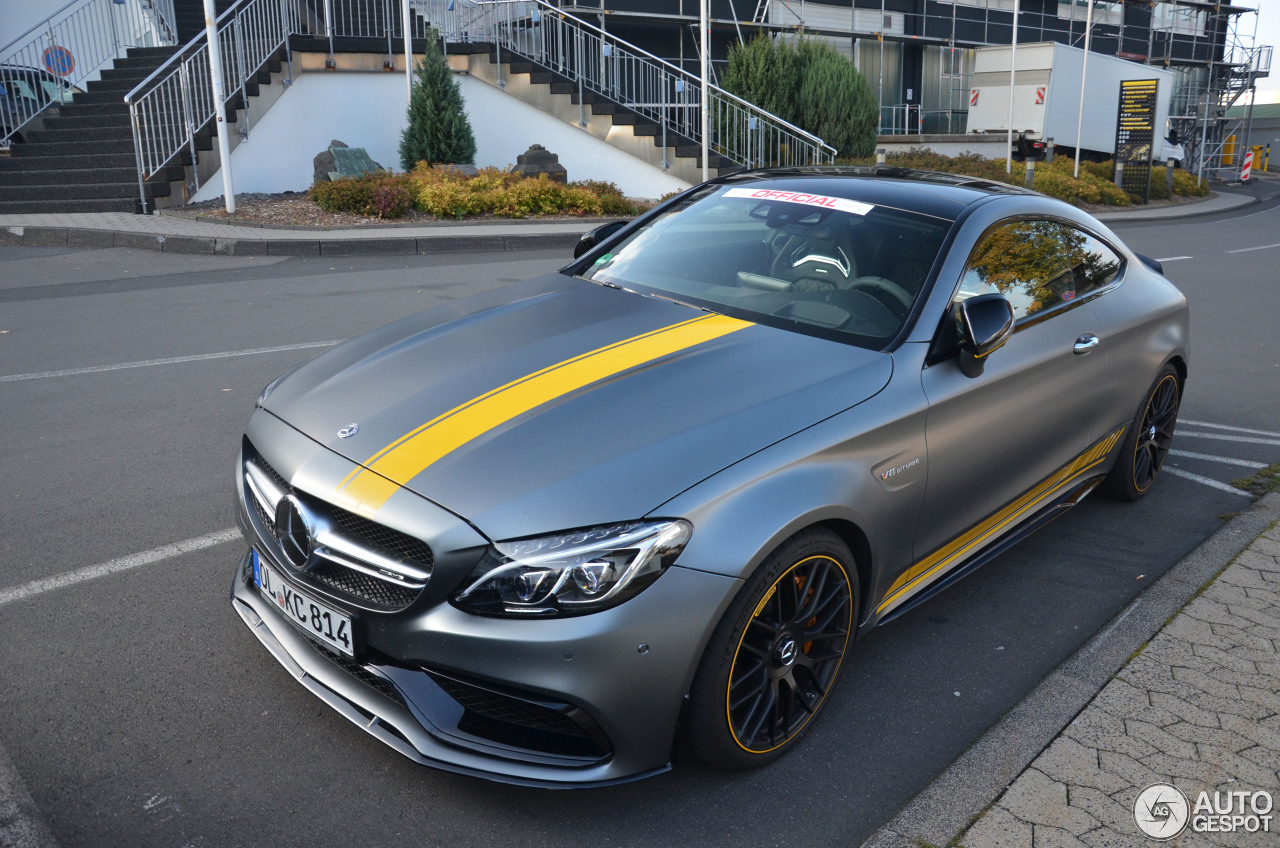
940,561
366,489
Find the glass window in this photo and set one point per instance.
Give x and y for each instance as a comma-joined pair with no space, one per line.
798,253
1038,265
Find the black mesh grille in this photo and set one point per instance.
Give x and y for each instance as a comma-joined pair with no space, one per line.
371,590
398,545
342,582
379,684
499,707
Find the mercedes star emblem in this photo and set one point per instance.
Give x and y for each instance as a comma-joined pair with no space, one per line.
294,531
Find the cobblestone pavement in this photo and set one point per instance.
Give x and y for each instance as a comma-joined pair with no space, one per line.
1198,708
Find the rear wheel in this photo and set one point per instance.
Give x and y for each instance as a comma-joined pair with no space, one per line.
775,656
1147,443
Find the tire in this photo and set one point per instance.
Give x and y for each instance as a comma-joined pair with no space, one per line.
1147,443
775,655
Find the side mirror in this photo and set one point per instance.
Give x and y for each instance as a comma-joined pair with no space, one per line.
985,322
593,237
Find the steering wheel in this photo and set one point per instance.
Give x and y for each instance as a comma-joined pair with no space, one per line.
889,287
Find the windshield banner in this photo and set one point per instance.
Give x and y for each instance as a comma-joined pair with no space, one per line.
840,203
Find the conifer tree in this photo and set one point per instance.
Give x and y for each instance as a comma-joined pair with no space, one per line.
438,131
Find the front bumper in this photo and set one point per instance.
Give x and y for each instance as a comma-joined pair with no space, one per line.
592,670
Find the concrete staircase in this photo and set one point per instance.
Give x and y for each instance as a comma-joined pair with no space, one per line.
606,119
82,159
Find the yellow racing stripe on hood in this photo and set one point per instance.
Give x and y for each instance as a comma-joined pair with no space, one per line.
366,489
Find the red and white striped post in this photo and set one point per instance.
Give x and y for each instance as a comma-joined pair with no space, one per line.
1248,167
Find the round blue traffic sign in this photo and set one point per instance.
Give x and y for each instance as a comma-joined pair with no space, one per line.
58,60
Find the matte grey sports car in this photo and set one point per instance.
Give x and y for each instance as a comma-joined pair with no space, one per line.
553,533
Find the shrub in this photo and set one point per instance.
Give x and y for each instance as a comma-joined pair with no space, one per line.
375,195
1184,183
446,193
438,129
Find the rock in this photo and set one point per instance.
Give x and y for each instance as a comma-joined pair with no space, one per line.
323,163
538,160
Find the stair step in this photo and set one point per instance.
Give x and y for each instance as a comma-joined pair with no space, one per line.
70,148
147,63
136,75
139,52
521,67
85,110
542,77
58,163
73,176
97,98
10,207
601,108
84,122
648,128
85,191
588,97
114,133
564,87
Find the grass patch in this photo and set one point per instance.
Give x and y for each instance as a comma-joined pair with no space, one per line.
1262,482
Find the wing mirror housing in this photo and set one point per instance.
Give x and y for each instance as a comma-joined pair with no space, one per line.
593,237
985,322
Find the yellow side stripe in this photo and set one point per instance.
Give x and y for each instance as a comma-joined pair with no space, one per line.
366,489
941,560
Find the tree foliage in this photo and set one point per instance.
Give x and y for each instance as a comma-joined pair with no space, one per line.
438,131
808,84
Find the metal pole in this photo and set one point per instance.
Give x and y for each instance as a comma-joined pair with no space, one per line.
1013,66
1248,121
219,104
1084,73
706,94
408,48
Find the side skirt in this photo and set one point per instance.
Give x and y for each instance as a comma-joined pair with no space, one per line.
1033,522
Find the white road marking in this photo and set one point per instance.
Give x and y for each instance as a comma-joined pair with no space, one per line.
1259,247
198,357
1211,458
1225,438
91,572
1174,258
1228,427
1208,481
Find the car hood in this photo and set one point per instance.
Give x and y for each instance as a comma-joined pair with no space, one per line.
567,405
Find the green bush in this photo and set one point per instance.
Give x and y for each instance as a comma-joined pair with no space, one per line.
446,193
438,130
375,195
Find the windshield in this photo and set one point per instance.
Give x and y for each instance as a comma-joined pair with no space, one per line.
784,253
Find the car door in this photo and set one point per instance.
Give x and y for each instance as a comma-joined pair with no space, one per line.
994,439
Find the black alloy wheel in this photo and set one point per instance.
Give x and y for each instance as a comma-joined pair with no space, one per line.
773,660
1146,445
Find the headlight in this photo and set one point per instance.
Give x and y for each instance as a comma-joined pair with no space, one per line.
572,573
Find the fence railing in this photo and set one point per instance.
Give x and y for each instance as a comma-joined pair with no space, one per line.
601,63
171,105
39,68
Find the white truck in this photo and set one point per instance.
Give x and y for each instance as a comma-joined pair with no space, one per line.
1046,97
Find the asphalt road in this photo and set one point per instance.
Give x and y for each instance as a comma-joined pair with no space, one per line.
139,711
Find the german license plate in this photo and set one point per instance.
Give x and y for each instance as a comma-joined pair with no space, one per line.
320,620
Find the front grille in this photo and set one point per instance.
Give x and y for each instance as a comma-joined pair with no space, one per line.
509,710
373,591
333,578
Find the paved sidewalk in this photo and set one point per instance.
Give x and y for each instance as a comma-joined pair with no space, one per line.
1197,706
182,234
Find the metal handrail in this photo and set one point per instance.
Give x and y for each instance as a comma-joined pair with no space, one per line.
175,101
602,63
71,45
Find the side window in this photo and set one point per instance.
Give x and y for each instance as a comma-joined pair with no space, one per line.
1037,265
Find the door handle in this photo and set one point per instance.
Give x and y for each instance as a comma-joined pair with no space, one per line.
1086,343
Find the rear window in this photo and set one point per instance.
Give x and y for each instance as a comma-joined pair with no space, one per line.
797,256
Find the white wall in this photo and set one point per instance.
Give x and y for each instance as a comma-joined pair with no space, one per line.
367,109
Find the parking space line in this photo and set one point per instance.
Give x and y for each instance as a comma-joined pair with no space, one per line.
1229,427
1224,459
1224,437
143,363
1207,481
91,572
1259,247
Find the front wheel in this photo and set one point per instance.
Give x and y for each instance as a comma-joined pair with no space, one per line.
776,653
1147,443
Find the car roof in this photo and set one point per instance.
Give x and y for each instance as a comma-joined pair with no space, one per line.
927,192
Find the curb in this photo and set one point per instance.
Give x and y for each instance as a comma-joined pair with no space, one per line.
949,804
317,246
